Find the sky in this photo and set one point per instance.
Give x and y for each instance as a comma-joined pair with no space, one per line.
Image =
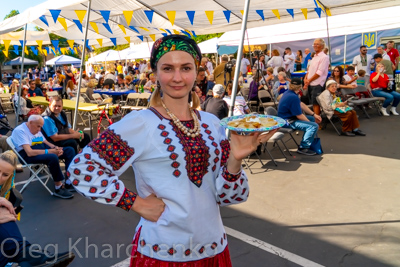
20,5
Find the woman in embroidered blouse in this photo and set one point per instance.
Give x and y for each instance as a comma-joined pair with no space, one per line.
197,171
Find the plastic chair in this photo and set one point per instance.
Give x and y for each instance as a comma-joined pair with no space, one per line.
332,120
272,111
34,173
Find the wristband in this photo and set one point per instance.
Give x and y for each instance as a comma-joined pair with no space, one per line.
46,151
80,137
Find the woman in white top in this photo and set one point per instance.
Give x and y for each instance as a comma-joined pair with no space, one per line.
71,89
276,61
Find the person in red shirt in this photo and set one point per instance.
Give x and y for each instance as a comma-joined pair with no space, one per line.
393,53
379,82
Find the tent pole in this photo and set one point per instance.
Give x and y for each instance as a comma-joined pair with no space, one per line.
81,70
251,58
22,73
329,39
345,51
239,57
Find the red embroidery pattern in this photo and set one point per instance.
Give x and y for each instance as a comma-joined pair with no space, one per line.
197,154
170,148
127,199
215,145
230,177
225,147
110,147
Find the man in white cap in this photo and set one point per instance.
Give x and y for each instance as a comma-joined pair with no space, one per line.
216,105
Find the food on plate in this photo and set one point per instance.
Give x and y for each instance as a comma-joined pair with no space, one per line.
252,122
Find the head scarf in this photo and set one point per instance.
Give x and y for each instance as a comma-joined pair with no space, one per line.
174,43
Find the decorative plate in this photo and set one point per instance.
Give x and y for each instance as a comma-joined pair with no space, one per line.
279,123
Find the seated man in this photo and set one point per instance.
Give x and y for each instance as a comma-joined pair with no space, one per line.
33,90
58,131
291,109
34,148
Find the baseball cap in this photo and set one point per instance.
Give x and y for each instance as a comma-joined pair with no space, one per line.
218,89
296,81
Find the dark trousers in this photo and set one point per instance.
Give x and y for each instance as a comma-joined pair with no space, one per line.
51,160
11,241
74,143
313,92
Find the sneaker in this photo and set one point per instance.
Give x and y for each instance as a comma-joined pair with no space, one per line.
306,151
394,112
63,193
384,112
69,187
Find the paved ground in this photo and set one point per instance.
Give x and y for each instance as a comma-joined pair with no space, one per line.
339,209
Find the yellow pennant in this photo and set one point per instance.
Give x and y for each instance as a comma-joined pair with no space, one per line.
128,39
328,12
128,16
242,11
163,30
94,26
62,50
304,10
176,32
210,16
40,43
7,44
76,50
52,49
191,34
100,41
71,43
44,51
276,13
93,47
147,30
153,37
26,50
5,52
80,14
122,28
63,23
171,16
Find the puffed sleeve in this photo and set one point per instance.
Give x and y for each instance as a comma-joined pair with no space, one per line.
95,171
232,188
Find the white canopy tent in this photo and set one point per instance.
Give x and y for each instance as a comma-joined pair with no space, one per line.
109,55
18,61
209,47
63,60
31,37
137,51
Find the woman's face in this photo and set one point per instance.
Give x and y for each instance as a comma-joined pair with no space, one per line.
6,170
281,78
336,72
332,88
176,73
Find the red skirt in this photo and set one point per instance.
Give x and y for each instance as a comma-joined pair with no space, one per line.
222,259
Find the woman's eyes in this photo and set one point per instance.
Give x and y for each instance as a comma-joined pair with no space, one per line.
183,68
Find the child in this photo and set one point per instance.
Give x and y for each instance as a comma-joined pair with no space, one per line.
350,77
361,78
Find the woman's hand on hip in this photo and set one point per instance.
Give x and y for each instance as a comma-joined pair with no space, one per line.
149,208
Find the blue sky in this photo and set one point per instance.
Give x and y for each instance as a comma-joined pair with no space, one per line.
20,5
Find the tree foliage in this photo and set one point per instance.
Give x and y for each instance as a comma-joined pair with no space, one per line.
205,37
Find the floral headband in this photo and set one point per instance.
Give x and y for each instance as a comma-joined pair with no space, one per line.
174,43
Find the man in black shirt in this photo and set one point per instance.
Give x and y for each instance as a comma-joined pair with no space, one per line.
216,105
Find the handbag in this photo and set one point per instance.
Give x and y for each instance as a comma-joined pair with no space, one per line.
316,146
16,198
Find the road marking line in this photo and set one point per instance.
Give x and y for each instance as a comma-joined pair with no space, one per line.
256,243
271,248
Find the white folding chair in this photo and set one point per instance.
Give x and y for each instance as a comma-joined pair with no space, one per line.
131,101
6,103
97,98
142,101
52,93
34,173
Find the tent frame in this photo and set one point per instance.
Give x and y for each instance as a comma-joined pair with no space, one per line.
21,78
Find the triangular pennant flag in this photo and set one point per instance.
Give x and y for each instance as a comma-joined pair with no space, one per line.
94,26
185,33
55,13
34,50
40,43
128,16
21,42
114,41
145,29
71,43
16,49
176,32
164,34
100,41
133,28
140,37
210,16
227,14
71,50
80,14
190,15
93,47
44,20
55,44
318,10
122,27
128,39
47,49
105,14
291,12
78,24
107,26
168,31
328,12
149,14
26,50
194,34
62,50
261,13
153,37
87,45
7,43
276,13
5,52
171,16
44,51
76,50
304,10
242,11
190,34
63,23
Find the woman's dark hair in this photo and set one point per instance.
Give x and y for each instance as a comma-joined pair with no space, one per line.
301,53
341,72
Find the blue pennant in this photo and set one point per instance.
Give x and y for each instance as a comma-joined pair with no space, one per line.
291,12
185,33
149,14
55,13
190,15
140,37
16,51
107,26
164,34
87,46
47,49
227,14
318,10
114,41
105,14
194,34
71,50
21,42
44,20
261,13
55,44
34,50
168,31
133,28
78,24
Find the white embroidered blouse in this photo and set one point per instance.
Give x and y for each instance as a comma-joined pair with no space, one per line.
188,174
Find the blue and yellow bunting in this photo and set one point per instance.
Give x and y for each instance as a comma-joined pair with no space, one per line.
55,13
149,15
190,15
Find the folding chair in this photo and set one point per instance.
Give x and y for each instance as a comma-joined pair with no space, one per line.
6,102
262,95
334,119
142,101
52,93
272,111
34,173
357,102
131,101
278,136
376,101
97,98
